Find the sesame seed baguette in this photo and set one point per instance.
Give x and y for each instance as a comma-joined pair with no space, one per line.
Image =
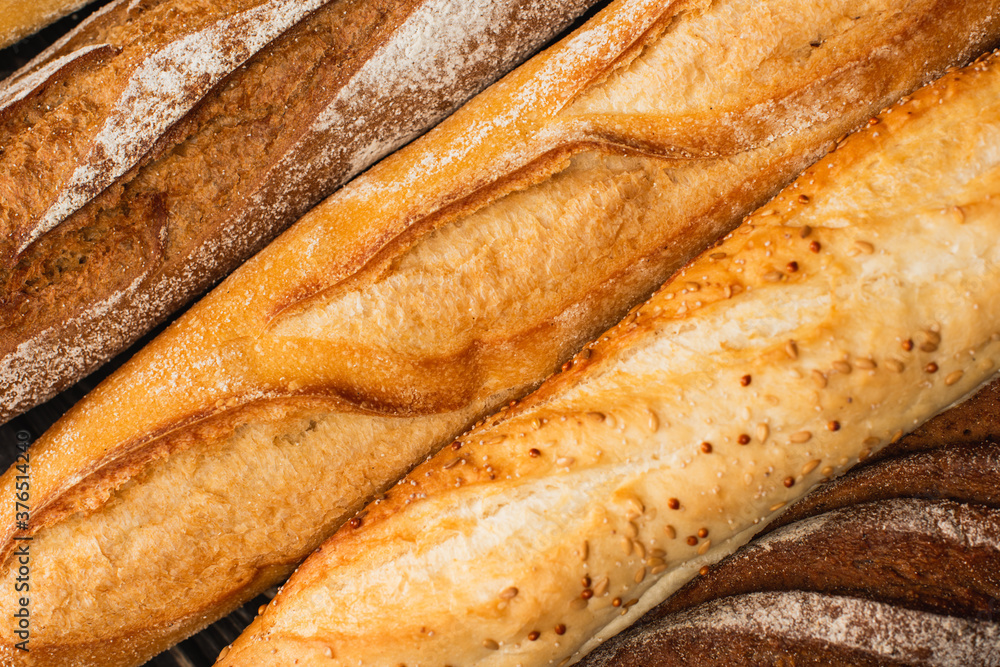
447,280
161,143
18,18
775,359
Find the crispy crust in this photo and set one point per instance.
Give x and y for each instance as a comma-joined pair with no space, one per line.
394,315
161,173
601,493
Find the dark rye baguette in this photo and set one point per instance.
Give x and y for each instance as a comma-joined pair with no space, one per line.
929,555
775,359
802,628
151,151
449,279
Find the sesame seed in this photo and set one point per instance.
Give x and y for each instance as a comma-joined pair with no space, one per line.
626,546
587,353
578,604
673,503
826,471
631,530
560,629
932,337
865,247
654,422
565,461
953,377
223,653
800,437
601,586
866,364
792,349
640,550
327,652
706,447
584,550
803,199
717,255
819,378
534,635
451,464
833,426
640,574
895,365
773,276
931,368
810,466
670,531
743,439
777,506
928,346
508,593
491,645
745,381
958,214
705,546
842,367
762,432
658,569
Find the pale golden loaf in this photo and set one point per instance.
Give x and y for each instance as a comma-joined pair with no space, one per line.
448,280
860,302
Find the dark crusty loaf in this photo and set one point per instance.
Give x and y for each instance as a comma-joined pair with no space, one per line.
798,628
141,162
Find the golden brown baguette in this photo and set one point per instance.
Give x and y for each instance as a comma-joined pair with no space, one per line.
160,144
777,358
19,19
449,279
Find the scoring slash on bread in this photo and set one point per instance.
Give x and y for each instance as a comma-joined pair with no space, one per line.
860,302
448,280
160,144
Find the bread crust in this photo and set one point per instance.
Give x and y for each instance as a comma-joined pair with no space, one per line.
393,316
147,156
20,19
774,360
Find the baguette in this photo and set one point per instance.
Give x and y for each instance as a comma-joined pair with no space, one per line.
18,18
160,144
445,282
857,304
